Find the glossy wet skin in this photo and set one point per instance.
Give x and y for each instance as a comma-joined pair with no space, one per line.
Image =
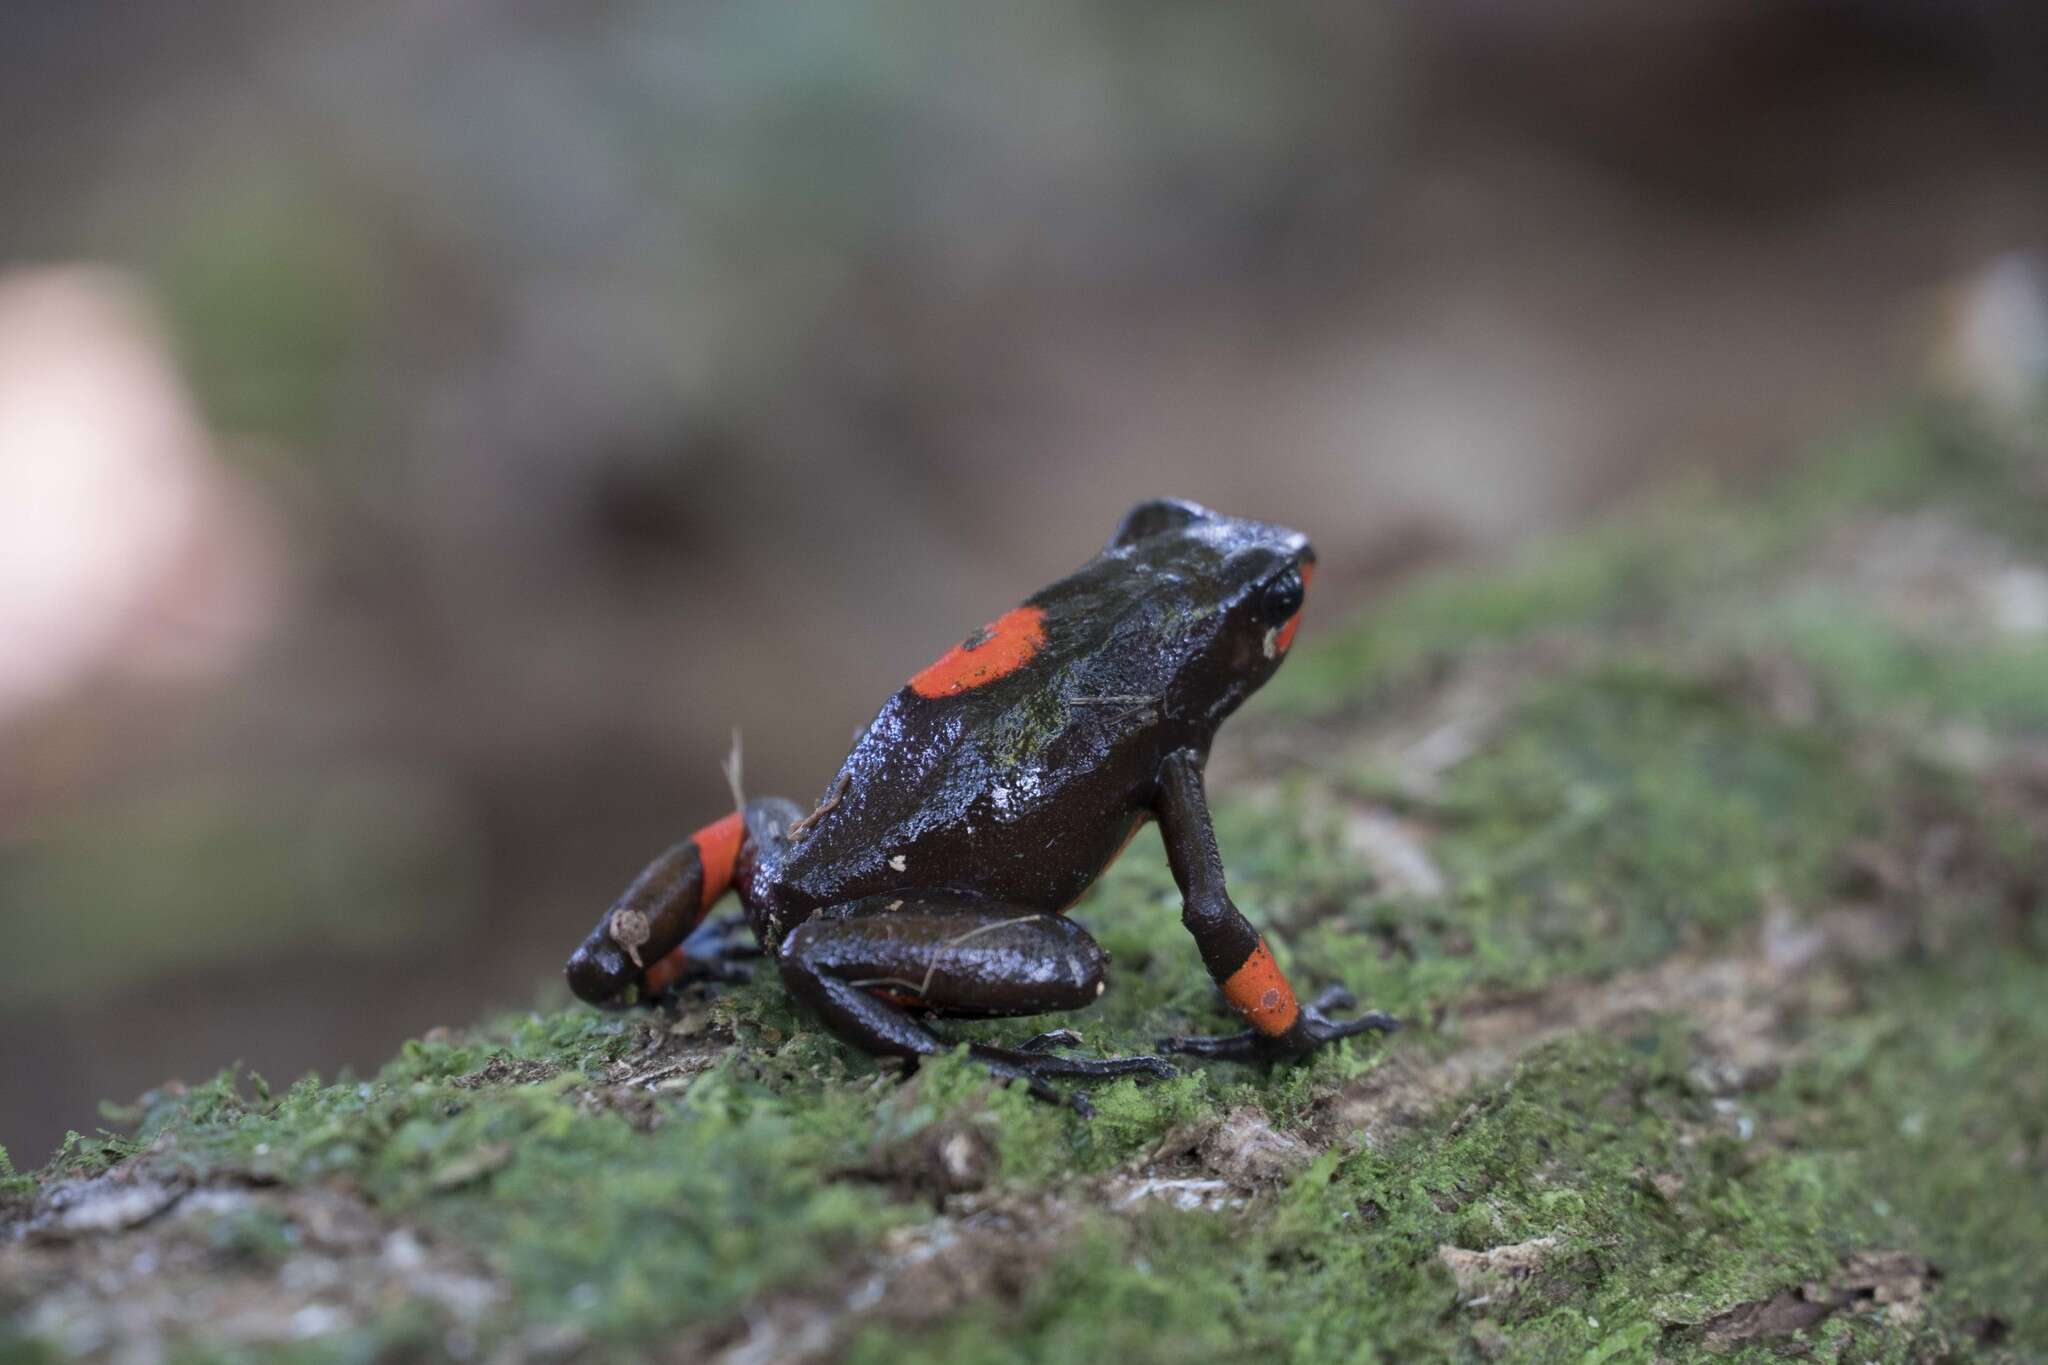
1147,648
990,791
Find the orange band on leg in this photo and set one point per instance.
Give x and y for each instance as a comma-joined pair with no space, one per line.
718,849
995,651
661,974
1258,991
718,844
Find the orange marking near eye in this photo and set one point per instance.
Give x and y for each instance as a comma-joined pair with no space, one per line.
1286,635
718,844
996,650
1259,992
663,973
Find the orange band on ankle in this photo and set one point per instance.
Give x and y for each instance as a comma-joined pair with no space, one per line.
661,974
1258,991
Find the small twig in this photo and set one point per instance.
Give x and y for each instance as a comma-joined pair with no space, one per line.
825,808
731,768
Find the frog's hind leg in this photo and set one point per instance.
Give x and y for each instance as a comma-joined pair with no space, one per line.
864,966
655,934
720,948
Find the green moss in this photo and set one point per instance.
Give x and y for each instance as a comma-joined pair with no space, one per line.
1659,567
1636,797
717,1205
1344,1264
593,1221
1933,1105
1618,813
1629,807
1665,1206
79,1155
12,1182
1882,669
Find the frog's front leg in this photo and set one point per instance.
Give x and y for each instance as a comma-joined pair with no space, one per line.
1237,958
866,965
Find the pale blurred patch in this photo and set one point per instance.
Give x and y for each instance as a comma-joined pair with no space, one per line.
1992,345
124,544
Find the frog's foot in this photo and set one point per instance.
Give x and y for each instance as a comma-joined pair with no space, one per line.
1036,1071
1059,1037
1035,1064
865,966
1312,1028
1036,1068
719,949
631,954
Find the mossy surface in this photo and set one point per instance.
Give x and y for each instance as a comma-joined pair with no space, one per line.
1718,930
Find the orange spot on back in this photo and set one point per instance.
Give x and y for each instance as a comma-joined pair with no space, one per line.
1286,635
1259,992
996,650
718,844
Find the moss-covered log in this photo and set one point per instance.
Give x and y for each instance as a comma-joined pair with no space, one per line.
1706,857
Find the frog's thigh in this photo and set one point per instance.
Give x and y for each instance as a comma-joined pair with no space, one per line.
859,965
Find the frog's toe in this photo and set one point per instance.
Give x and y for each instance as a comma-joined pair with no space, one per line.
1319,1028
1036,1069
1059,1037
1333,998
1312,1028
1045,1063
1372,1021
600,973
1226,1047
1040,1088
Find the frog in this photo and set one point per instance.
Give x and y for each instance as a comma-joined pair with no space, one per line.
933,877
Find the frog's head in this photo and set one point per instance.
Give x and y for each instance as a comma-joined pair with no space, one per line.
1231,594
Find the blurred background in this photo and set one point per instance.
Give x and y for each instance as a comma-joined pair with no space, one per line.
427,430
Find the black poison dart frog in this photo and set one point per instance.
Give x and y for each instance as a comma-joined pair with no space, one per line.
984,798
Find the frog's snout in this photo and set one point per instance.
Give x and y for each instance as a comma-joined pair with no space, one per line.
599,971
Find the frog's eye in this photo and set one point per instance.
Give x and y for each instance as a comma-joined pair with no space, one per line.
1281,599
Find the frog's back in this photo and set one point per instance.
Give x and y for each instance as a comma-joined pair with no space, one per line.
1014,767
1022,802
